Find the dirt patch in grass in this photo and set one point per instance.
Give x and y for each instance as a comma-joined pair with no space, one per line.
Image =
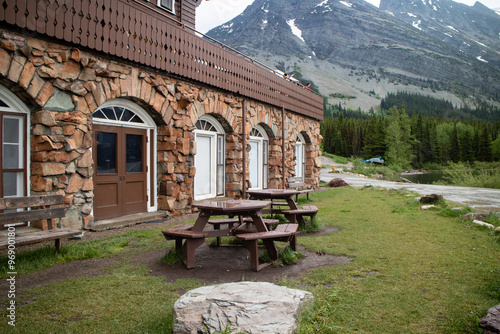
213,265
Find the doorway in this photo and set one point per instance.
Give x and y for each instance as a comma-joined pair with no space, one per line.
120,173
124,146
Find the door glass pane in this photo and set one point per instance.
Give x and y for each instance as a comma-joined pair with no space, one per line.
13,184
253,158
106,153
134,153
203,163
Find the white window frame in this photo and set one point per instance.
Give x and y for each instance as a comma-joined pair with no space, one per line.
300,157
218,158
172,10
262,142
17,109
149,124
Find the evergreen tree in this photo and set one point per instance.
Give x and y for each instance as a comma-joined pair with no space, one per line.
454,145
484,152
375,139
398,139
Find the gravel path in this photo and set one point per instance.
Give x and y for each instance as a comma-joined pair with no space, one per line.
480,199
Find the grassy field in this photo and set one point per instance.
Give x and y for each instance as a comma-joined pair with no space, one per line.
412,271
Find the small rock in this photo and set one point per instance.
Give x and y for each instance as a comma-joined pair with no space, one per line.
480,223
431,199
337,182
428,207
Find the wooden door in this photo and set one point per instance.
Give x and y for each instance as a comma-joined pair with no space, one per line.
120,171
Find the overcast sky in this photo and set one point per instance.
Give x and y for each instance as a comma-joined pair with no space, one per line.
212,13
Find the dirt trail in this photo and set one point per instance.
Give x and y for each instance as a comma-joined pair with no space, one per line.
213,264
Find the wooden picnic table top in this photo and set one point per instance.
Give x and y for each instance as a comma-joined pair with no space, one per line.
272,193
232,206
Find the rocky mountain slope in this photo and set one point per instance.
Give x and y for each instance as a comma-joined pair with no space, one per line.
355,52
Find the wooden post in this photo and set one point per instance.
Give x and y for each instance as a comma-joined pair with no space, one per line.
244,148
283,147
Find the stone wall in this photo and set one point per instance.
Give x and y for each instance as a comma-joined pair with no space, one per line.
63,85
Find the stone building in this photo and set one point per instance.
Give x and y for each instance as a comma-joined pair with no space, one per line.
122,108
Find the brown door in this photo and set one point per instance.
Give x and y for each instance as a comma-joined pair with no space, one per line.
120,173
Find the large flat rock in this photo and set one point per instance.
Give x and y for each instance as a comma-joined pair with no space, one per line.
249,307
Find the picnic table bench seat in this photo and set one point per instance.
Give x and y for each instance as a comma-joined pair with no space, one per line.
193,240
44,208
183,232
298,184
298,214
216,223
283,233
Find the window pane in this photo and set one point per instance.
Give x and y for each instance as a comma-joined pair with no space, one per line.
265,152
11,130
127,115
167,4
12,142
109,113
13,184
11,156
264,185
220,180
106,153
134,153
220,150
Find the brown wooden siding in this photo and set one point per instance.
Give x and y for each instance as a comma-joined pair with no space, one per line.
139,31
188,12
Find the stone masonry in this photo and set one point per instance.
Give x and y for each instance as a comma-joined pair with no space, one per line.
63,85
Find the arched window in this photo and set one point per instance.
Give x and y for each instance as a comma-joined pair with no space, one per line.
258,158
300,157
14,143
210,159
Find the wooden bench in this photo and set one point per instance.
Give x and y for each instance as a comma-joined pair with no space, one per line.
298,184
40,209
297,215
216,223
283,233
193,241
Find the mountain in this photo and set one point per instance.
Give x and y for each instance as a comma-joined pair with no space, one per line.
356,53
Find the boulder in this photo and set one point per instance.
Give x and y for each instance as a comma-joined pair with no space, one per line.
475,216
491,321
248,307
431,199
337,182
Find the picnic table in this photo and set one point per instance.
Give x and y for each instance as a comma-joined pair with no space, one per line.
291,212
273,195
189,238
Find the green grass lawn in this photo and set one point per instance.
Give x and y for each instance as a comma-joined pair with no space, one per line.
412,271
